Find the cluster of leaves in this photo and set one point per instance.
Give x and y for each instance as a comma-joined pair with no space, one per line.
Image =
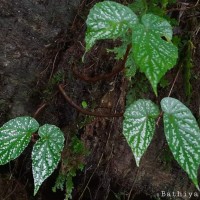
153,53
70,165
15,136
150,36
180,127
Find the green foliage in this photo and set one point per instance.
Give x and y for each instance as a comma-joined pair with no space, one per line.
108,20
152,54
157,7
130,67
60,183
164,82
181,130
64,181
46,153
138,88
69,184
15,136
152,51
139,7
183,135
70,166
77,146
84,104
139,126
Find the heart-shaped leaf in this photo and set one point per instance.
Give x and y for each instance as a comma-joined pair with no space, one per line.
139,126
46,153
153,54
15,136
183,135
108,20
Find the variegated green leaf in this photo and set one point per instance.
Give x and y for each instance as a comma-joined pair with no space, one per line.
15,136
139,126
108,20
183,135
46,153
153,55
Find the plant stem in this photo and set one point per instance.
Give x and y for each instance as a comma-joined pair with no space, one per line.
104,76
86,112
170,92
177,74
39,110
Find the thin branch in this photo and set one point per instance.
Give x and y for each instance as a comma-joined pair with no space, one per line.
170,92
39,110
159,118
185,8
96,78
100,160
177,74
54,61
197,3
132,187
91,177
104,76
86,112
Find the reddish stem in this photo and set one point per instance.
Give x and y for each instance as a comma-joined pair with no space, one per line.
104,76
86,112
39,110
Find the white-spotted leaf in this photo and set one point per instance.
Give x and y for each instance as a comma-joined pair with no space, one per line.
153,52
139,126
46,153
183,135
15,136
108,20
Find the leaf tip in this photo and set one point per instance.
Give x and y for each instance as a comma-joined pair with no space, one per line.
195,181
155,90
83,57
36,189
137,160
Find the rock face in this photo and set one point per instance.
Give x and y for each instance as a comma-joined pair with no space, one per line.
27,29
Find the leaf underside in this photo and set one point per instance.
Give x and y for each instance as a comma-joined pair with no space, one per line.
183,135
108,20
139,126
15,136
46,153
153,54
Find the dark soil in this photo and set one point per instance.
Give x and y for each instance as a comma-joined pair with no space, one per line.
41,46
